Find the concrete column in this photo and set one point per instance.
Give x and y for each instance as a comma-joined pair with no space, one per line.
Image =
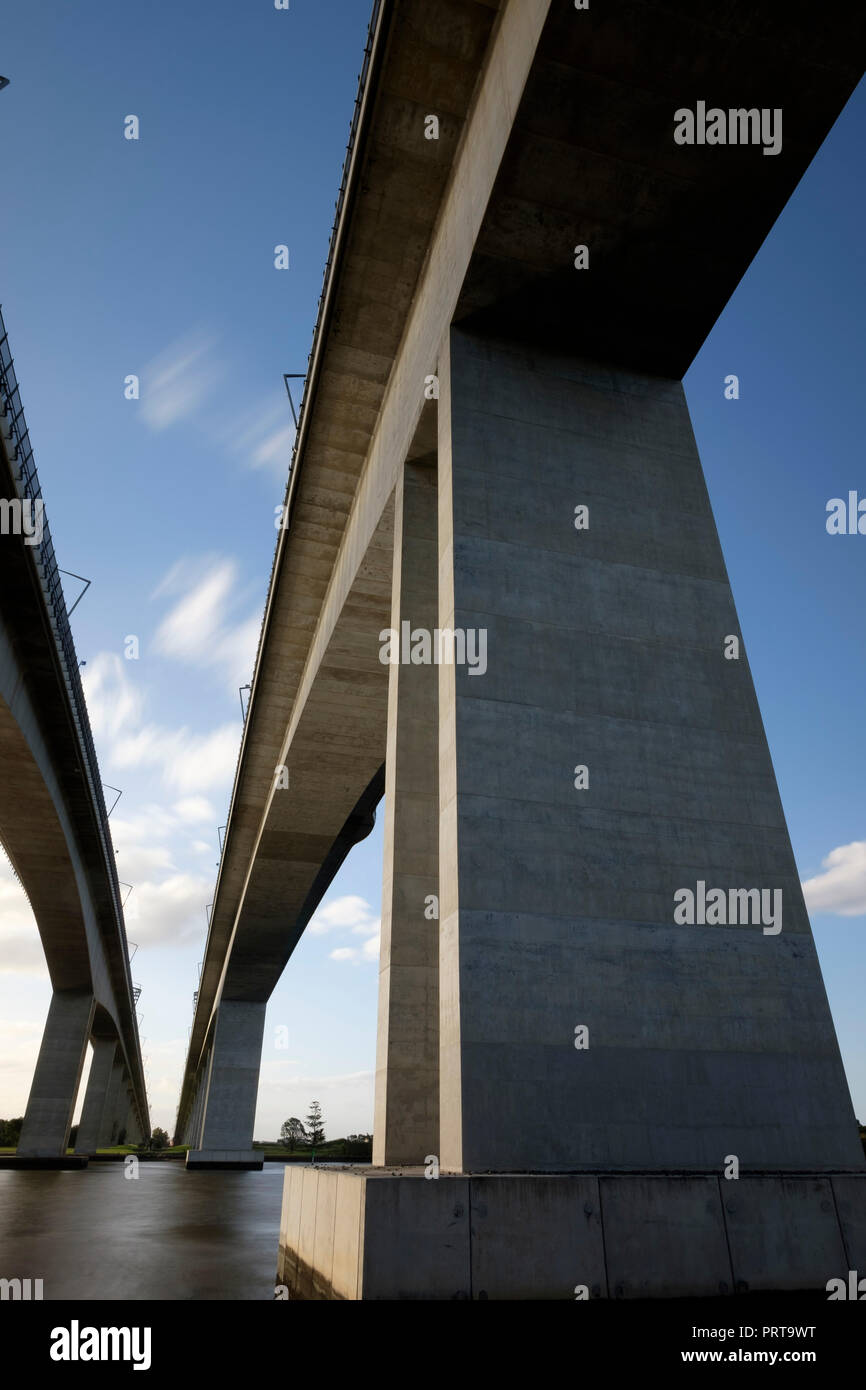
193,1135
606,650
114,1100
121,1113
132,1126
48,1117
190,1133
126,1119
129,1128
406,1124
232,1084
96,1095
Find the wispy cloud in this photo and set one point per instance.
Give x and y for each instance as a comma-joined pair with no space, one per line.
203,629
264,436
190,764
177,383
181,385
842,888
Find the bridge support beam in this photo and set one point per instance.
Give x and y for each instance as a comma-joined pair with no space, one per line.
231,1088
90,1126
194,1136
131,1127
406,1127
48,1118
116,1102
605,753
612,755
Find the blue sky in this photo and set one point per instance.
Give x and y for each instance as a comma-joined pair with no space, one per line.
156,258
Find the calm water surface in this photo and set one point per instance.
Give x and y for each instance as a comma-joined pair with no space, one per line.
168,1234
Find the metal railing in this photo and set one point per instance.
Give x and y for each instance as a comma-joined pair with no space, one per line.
27,484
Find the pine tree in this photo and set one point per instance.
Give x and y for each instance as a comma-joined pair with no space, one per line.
315,1125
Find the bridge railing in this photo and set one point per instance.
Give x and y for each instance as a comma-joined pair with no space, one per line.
27,483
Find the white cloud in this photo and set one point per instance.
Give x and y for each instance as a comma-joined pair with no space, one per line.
189,763
353,914
182,380
842,888
171,912
176,384
200,630
113,702
195,810
347,913
356,956
265,435
275,451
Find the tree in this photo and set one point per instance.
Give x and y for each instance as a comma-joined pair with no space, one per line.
159,1139
10,1132
315,1125
293,1135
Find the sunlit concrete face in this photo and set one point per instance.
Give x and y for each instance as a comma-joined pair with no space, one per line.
406,1119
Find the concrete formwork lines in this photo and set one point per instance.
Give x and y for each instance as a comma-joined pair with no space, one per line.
406,1125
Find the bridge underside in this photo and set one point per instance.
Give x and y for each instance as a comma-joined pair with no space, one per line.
541,1010
50,831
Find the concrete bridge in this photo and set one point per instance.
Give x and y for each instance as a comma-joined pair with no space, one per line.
544,209
54,828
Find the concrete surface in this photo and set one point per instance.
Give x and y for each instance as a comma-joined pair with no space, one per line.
232,1086
91,1124
406,1116
606,649
396,1235
48,1117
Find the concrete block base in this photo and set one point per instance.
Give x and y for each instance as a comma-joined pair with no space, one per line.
363,1233
225,1158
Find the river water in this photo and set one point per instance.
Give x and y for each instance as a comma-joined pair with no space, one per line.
167,1234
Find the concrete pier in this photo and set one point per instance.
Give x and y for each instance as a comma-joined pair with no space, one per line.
48,1117
609,756
606,651
91,1124
115,1105
229,1110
